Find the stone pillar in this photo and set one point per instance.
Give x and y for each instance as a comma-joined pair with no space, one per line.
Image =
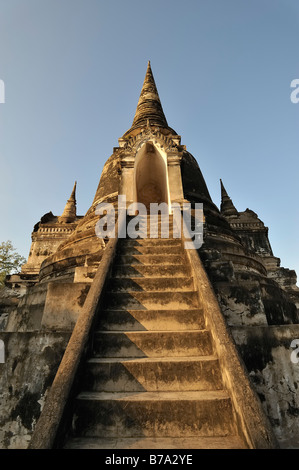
127,177
175,176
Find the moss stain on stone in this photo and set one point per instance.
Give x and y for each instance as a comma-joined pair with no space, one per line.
83,295
28,409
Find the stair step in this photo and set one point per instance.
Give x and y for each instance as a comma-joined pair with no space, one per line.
142,270
156,284
157,235
156,230
154,217
150,300
153,320
198,442
154,222
150,259
150,250
139,242
152,343
159,215
153,414
150,225
153,374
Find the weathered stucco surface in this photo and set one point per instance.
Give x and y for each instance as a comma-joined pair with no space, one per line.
9,300
266,351
31,362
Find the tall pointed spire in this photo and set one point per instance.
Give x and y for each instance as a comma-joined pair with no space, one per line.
227,207
69,213
149,109
73,195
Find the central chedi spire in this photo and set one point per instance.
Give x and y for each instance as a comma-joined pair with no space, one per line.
149,109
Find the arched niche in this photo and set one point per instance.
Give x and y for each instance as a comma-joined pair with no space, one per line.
150,176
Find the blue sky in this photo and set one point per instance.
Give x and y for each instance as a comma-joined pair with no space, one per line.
73,71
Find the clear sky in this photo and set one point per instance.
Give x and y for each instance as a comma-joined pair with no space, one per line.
73,71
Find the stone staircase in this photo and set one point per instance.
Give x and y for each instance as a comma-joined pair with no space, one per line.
153,380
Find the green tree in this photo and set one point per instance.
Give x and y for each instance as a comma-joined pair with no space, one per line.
10,260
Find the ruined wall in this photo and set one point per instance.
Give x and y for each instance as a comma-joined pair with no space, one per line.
31,362
9,299
52,306
267,354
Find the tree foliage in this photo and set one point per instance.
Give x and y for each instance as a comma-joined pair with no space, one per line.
10,260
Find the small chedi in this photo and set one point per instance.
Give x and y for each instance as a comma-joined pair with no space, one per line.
187,349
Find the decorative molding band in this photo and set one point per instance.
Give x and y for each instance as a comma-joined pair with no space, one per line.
149,133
